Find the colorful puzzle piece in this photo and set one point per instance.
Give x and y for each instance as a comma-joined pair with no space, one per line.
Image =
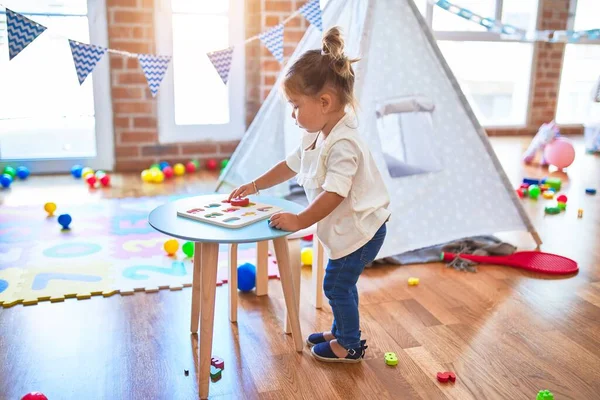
446,376
391,358
215,373
544,395
217,362
413,281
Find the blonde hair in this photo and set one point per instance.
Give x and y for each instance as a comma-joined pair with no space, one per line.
316,69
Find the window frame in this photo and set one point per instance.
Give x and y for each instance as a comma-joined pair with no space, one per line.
487,36
168,130
103,113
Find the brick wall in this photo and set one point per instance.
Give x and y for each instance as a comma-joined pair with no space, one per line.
131,28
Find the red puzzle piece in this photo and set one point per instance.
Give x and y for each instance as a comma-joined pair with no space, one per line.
446,376
240,202
217,362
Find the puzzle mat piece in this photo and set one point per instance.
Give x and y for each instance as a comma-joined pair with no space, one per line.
151,274
223,271
55,282
10,286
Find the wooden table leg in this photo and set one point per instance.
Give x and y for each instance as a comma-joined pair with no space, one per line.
196,284
233,282
210,254
318,271
283,260
262,273
296,268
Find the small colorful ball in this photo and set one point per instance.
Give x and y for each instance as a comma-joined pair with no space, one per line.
50,208
146,175
5,180
22,172
163,165
76,171
155,166
171,246
308,238
10,171
224,163
64,220
168,172
34,396
560,153
562,198
196,163
246,277
157,176
188,249
190,167
86,171
99,174
91,180
179,169
211,164
534,191
105,180
306,256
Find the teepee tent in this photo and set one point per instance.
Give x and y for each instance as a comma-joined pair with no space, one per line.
442,174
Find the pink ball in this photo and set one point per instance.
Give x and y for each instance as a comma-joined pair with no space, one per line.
560,153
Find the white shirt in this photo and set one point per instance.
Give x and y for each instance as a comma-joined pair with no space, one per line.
342,163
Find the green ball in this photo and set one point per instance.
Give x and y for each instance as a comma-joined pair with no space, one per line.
10,171
224,163
156,166
188,249
534,191
196,163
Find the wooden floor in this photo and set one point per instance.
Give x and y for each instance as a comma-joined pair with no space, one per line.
505,333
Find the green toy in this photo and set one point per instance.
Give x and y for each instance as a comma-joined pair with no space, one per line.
215,373
224,163
552,210
534,191
544,395
188,249
562,206
391,358
10,171
554,183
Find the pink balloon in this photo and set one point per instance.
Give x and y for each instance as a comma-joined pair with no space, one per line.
560,153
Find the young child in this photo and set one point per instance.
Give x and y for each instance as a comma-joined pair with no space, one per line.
347,195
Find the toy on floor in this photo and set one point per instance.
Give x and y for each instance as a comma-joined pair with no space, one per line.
246,277
546,134
553,183
65,220
91,180
168,172
50,208
5,180
22,172
390,358
34,396
544,395
217,362
105,180
188,249
446,376
179,169
10,171
186,372
86,171
413,281
224,163
590,191
211,164
580,213
171,246
190,167
535,261
306,256
560,153
548,194
76,171
552,210
215,373
534,191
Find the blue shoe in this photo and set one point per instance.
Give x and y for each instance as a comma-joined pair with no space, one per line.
316,338
323,352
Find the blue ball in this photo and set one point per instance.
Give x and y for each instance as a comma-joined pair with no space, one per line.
22,172
162,165
5,180
246,277
64,220
76,171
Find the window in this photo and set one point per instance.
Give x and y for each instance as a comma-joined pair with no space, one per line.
193,102
45,114
497,90
580,71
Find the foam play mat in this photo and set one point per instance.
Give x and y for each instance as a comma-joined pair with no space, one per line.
108,249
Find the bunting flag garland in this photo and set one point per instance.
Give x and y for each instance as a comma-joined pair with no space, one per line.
312,12
273,40
85,57
154,68
221,60
21,32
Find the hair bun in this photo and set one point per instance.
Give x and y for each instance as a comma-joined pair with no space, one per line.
333,44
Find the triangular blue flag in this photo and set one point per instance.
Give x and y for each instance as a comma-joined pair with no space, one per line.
312,12
221,60
85,57
21,32
273,40
154,68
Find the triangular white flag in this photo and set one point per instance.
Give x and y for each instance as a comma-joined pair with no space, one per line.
21,32
85,57
221,60
312,12
273,40
154,68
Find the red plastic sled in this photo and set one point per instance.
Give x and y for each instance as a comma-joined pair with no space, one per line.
530,260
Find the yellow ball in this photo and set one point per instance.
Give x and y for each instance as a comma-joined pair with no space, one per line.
157,176
306,255
50,208
171,246
179,169
146,175
86,171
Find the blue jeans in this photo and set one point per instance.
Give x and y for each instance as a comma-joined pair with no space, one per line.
339,286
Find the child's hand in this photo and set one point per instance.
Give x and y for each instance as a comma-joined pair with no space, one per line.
242,191
286,221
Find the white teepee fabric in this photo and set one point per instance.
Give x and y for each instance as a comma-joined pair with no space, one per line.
466,194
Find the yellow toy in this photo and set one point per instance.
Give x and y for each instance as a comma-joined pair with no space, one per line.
306,256
157,175
171,246
580,213
86,171
548,194
146,175
391,358
50,208
179,169
413,281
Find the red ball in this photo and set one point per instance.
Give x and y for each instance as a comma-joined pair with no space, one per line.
168,171
308,238
561,199
34,396
105,180
190,167
91,180
211,164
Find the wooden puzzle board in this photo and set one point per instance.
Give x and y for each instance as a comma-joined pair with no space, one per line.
224,214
